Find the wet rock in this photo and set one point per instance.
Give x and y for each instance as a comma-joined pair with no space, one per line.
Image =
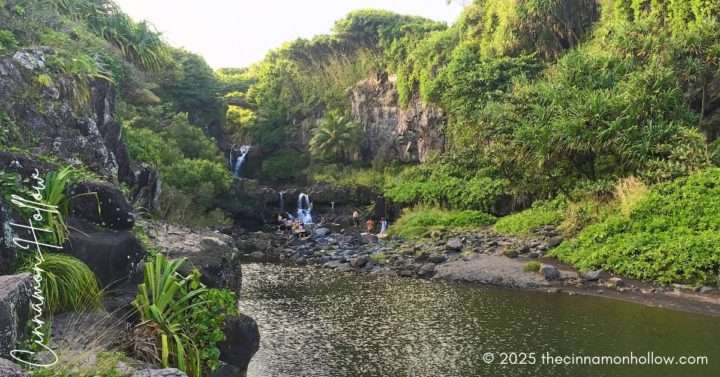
10,369
257,255
359,262
369,238
15,292
170,372
101,204
591,275
549,272
437,259
322,232
426,270
554,241
242,341
454,244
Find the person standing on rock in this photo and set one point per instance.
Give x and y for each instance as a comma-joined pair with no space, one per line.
370,224
356,218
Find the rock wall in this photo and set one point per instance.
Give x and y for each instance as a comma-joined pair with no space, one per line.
55,116
393,132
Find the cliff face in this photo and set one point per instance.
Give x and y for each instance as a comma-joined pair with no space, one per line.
54,115
391,132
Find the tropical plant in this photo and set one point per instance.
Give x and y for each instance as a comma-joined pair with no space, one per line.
422,221
163,299
55,196
181,320
335,138
68,284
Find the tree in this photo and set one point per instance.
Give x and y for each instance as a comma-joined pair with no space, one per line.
335,138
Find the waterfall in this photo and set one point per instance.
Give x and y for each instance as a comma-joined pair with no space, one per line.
240,159
383,226
282,201
304,209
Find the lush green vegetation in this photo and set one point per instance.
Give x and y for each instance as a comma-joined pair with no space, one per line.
336,138
670,235
524,223
423,221
181,319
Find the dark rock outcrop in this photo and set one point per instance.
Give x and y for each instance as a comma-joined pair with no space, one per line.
242,341
113,255
7,250
10,369
101,204
15,292
394,132
59,124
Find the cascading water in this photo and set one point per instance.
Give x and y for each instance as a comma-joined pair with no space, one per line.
240,159
304,209
282,201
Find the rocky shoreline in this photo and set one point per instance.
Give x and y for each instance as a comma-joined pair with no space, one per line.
476,257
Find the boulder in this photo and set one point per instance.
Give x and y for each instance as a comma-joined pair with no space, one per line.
549,272
454,244
369,238
554,241
113,255
15,293
359,262
170,372
427,270
591,275
437,258
242,341
322,232
102,205
10,369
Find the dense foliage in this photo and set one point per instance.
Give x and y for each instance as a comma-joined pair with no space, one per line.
423,221
670,236
181,319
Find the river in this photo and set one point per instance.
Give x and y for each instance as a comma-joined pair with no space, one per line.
321,323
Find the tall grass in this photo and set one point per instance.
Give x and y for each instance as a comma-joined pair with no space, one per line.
68,284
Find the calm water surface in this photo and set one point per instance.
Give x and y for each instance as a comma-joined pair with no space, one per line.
321,323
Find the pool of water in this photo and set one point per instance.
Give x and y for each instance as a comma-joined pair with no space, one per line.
322,323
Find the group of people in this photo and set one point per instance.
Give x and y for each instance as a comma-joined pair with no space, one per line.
370,224
296,226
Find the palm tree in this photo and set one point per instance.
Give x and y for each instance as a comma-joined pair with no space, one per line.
336,138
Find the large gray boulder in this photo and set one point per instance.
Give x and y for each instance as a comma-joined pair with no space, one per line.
214,254
15,292
10,369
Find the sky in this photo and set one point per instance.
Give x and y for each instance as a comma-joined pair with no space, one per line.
237,33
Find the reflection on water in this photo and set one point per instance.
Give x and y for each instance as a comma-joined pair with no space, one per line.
321,323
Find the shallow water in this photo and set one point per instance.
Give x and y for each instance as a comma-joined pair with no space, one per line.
322,323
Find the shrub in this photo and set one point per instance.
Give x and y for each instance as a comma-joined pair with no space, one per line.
525,222
7,41
444,185
421,221
532,266
198,177
181,319
283,165
67,283
670,236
